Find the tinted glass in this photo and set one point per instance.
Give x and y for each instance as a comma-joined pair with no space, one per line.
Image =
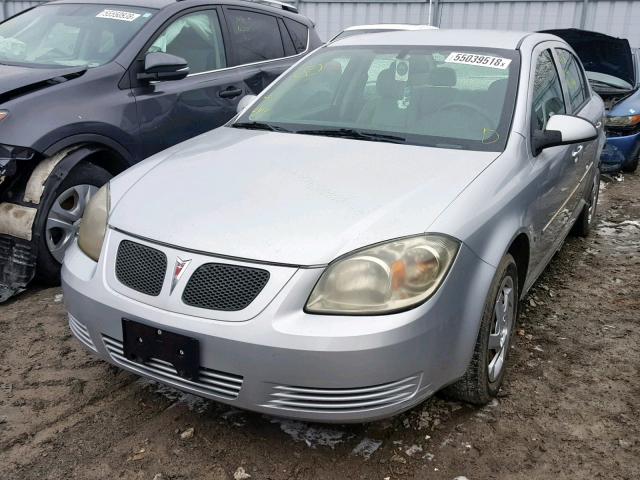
196,37
255,36
435,96
576,84
547,92
299,34
70,35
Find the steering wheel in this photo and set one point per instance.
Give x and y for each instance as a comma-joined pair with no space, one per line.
52,54
469,107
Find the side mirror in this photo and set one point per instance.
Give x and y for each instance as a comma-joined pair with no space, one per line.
563,130
245,102
163,66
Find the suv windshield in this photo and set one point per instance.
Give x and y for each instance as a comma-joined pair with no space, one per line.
69,34
436,96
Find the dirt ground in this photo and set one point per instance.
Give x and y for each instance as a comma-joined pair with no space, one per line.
570,407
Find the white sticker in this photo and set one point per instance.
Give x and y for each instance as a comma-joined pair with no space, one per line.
118,15
480,60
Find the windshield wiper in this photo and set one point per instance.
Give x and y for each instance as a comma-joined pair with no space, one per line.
354,134
259,126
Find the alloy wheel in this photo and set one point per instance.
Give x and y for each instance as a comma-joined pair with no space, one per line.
64,217
595,191
500,333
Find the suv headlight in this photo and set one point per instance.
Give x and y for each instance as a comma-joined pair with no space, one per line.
385,278
93,225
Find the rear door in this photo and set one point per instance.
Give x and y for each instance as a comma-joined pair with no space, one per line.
172,111
262,45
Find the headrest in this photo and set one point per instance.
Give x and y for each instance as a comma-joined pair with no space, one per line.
442,77
386,85
498,87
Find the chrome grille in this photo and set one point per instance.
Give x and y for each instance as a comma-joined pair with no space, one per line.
343,399
81,332
210,382
218,286
141,268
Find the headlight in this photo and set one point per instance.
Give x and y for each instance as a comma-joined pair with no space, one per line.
385,278
627,121
93,225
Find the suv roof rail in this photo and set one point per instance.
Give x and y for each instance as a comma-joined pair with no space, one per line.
275,3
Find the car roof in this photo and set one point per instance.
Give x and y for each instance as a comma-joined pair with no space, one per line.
446,37
159,4
389,26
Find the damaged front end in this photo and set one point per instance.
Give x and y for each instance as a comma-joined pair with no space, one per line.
17,254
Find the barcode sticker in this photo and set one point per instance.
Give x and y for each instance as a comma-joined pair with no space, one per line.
118,15
480,60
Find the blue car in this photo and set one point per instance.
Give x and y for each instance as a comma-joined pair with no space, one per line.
613,70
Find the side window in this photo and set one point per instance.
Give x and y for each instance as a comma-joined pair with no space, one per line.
547,92
255,37
576,84
197,38
299,34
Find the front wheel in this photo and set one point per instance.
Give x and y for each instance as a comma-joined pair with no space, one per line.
485,373
59,218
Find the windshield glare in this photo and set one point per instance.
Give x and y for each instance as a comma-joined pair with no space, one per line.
69,34
436,96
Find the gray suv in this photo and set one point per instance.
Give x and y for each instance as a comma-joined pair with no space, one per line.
88,89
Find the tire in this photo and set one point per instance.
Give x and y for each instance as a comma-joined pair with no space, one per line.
485,373
633,165
64,207
583,224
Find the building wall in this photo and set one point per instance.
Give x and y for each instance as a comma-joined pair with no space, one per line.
620,18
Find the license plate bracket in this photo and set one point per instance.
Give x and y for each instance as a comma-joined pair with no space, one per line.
141,343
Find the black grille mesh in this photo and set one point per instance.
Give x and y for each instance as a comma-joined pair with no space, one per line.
218,286
140,267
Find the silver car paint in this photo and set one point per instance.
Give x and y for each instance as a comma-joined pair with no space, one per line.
486,204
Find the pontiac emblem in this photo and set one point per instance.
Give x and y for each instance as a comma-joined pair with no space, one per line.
178,271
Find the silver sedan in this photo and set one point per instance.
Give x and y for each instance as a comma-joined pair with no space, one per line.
357,238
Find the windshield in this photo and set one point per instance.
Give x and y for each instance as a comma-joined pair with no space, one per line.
69,34
360,31
435,96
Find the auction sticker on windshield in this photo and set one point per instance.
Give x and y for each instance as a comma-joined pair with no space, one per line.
118,15
480,60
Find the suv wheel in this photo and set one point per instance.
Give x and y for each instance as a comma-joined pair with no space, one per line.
59,218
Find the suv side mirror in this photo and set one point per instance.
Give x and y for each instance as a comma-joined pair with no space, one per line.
563,130
244,102
163,66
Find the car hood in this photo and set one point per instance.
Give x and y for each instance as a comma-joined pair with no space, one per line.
289,198
16,81
601,53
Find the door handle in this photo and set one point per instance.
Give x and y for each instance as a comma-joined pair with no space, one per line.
576,153
230,92
598,124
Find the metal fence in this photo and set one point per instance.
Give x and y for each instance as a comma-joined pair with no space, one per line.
620,18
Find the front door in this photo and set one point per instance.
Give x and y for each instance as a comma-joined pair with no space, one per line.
172,111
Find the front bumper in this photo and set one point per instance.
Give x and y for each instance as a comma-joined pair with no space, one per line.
619,151
284,362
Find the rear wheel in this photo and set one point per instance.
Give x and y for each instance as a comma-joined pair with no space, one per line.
59,218
583,224
483,378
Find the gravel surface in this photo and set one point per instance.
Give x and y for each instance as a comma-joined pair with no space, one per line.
569,408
